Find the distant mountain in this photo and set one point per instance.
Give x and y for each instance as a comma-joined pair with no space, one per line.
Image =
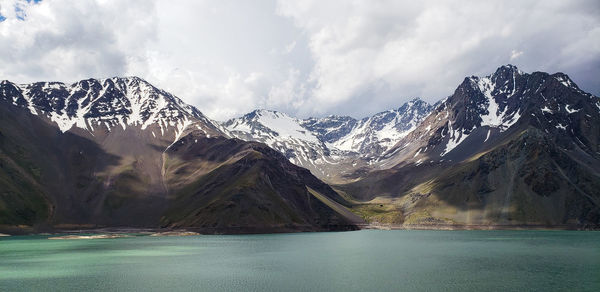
283,133
507,149
121,152
373,135
326,145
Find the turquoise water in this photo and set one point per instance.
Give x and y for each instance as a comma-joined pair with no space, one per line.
368,260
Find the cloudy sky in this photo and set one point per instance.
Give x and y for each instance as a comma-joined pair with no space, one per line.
305,58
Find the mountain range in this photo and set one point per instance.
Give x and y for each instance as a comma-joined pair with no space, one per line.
331,145
505,150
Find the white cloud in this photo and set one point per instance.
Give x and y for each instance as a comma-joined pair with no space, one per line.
289,47
514,54
301,57
383,52
68,40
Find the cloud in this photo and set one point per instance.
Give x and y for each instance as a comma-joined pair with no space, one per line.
68,40
307,58
380,53
514,54
290,47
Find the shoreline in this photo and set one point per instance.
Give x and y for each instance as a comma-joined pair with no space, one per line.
459,227
245,230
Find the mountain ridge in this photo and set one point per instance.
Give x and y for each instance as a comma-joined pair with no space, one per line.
510,149
471,162
114,159
107,103
332,143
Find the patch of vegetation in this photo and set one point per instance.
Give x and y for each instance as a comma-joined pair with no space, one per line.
423,217
380,213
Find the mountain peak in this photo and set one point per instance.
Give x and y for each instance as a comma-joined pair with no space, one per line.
317,142
486,109
508,67
103,103
412,104
258,113
502,73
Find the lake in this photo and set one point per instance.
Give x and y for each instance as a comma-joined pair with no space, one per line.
367,260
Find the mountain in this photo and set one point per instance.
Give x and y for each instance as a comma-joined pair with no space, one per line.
372,136
120,152
510,149
106,104
332,145
283,133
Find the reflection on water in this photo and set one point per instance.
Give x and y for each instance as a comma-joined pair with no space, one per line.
343,261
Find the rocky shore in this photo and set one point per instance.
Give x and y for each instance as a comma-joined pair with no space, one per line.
95,236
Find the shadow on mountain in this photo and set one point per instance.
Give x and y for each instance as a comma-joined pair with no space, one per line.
229,185
543,170
46,176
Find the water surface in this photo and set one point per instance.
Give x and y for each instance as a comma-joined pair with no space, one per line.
368,260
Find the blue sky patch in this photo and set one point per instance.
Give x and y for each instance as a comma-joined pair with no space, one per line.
19,12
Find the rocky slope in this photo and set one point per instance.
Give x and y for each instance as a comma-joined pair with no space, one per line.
111,153
508,149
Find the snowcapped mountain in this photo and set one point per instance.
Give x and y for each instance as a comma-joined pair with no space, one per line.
483,110
511,148
120,152
287,135
107,105
373,135
320,143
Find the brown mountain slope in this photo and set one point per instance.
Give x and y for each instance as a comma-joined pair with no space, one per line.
231,184
131,176
507,149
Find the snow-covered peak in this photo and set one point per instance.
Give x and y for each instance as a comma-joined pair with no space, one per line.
493,115
332,138
485,110
108,103
271,123
374,135
285,134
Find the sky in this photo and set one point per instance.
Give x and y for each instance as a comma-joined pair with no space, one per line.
305,58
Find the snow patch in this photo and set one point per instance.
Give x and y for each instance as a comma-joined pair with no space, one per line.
564,81
416,154
494,118
570,111
545,109
456,137
285,126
